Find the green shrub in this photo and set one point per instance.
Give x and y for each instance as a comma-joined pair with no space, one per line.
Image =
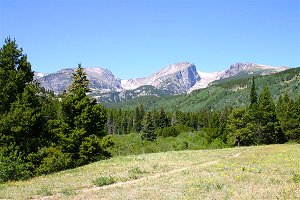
12,167
182,128
53,160
104,180
93,149
217,144
168,132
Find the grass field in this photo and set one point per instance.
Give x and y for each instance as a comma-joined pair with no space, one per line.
262,172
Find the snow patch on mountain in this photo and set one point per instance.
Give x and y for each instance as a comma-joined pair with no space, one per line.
39,75
132,84
205,79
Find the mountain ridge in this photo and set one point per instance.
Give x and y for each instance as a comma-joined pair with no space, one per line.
232,92
177,78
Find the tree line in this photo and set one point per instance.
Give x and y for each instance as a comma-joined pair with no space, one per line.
262,122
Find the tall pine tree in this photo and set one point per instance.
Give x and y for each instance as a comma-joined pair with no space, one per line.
253,95
15,73
138,118
288,116
162,119
85,121
269,130
148,128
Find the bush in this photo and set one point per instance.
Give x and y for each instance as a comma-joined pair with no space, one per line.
12,167
182,128
168,132
104,180
52,160
93,149
217,144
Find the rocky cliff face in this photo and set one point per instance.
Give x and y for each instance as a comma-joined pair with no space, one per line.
177,78
57,82
101,80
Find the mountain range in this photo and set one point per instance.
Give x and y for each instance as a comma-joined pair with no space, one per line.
227,92
178,78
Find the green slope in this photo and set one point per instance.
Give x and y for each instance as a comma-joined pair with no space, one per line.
261,172
229,92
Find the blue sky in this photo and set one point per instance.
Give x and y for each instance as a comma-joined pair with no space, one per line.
135,38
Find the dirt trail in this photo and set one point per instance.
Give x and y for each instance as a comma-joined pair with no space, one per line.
144,178
96,188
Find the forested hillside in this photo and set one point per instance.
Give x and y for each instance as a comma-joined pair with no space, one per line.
228,92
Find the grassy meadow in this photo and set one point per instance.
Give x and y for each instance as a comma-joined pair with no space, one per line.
256,172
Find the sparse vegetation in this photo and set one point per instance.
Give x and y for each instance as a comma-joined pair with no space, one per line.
260,172
136,172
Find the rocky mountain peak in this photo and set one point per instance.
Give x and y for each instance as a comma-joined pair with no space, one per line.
178,78
250,68
101,80
175,68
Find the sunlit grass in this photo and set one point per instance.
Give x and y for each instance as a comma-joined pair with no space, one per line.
263,172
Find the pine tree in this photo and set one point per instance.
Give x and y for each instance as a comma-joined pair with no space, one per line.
85,121
24,125
296,131
253,95
162,119
288,117
15,73
269,129
236,128
79,80
138,118
25,110
252,119
148,128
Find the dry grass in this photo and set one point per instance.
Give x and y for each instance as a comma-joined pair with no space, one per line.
263,172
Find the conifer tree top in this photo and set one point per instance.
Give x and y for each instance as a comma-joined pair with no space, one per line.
80,80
